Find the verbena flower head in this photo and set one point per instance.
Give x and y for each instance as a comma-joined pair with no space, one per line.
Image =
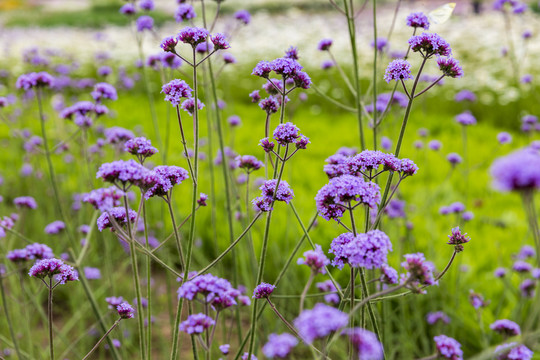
229,59
518,171
504,138
319,322
433,318
32,80
176,90
292,53
37,251
224,348
220,42
169,44
262,69
429,44
234,120
279,346
27,202
197,324
521,266
286,133
202,199
418,19
128,9
118,135
211,289
366,344
283,193
477,300
104,198
147,5
122,172
419,271
192,35
499,272
380,43
53,267
458,239
144,22
328,286
92,273
389,275
140,147
506,327
263,290
333,198
465,95
246,355
243,16
184,12
125,310
118,214
285,67
367,250
248,162
269,104
513,351
324,44
104,91
448,348
526,252
454,159
398,69
315,259
450,67
55,227
527,288
189,105
164,179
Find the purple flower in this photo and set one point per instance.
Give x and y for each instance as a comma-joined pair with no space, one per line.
429,44
448,347
104,70
176,90
379,44
526,252
219,41
527,287
263,290
27,202
196,324
243,16
189,105
328,286
229,59
450,67
31,80
17,255
386,143
104,91
324,44
245,356
477,300
214,291
169,44
500,272
457,239
315,259
398,69
519,170
202,199
419,271
184,12
418,19
286,133
465,95
104,198
333,198
144,22
165,178
125,310
38,251
92,273
454,159
55,227
319,322
506,328
513,351
367,250
285,67
118,214
248,162
262,69
147,5
269,104
192,35
366,344
466,118
234,120
128,9
292,53
140,147
467,216
433,318
504,138
279,345
389,275
122,172
521,266
224,348
53,267
118,135
526,79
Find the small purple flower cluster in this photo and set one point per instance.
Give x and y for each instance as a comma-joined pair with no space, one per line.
320,322
263,290
367,250
506,327
35,251
365,343
513,351
466,119
458,239
119,216
518,171
419,271
279,345
140,147
315,259
418,19
248,162
27,202
448,348
429,44
433,318
269,194
329,287
214,291
125,310
398,70
104,198
196,324
53,267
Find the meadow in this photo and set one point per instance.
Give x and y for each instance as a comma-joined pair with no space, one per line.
253,267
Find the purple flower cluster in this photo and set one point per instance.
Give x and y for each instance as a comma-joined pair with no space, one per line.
319,322
367,250
477,300
35,251
448,347
389,275
192,35
27,202
32,80
144,22
398,69
458,239
80,113
288,68
517,171
125,310
163,178
269,195
53,267
419,271
279,345
189,105
118,135
104,91
418,19
315,259
140,147
184,12
333,198
104,198
243,16
513,351
176,90
248,162
450,67
506,327
118,214
433,318
55,227
429,44
122,173
366,344
196,324
263,290
465,95
516,6
324,44
328,286
215,291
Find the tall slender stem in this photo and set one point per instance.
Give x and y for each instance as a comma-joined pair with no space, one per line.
50,317
102,338
375,53
304,292
168,200
8,320
148,288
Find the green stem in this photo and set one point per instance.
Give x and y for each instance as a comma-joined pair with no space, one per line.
8,320
50,318
375,53
148,288
168,200
102,338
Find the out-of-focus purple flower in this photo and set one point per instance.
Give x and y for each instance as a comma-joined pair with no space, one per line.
448,347
419,271
433,318
504,138
104,70
189,105
104,91
234,120
526,252
389,275
147,5
450,67
224,348
243,16
395,209
31,80
366,344
228,58
324,44
477,300
380,44
435,145
279,345
144,22
517,171
27,202
526,79
118,135
513,351
398,69
500,272
467,216
454,159
202,199
128,9
219,41
292,53
263,290
197,324
506,327
418,19
465,95
328,286
327,64
466,118
527,287
92,273
118,214
184,12
319,322
125,310
192,35
429,44
315,259
55,227
521,266
386,143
